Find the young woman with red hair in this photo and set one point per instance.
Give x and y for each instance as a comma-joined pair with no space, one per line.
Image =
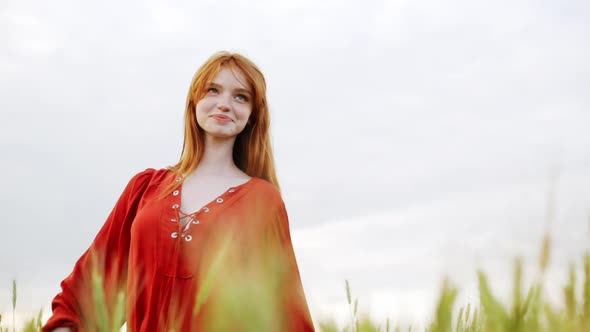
204,244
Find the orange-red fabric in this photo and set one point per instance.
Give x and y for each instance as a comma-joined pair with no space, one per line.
144,250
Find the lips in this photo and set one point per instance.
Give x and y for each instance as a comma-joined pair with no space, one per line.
222,118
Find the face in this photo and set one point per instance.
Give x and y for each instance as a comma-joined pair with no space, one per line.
224,110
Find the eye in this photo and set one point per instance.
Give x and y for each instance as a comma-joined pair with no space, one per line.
242,97
212,90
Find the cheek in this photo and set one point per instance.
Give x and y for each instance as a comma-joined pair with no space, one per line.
200,113
199,108
202,109
245,113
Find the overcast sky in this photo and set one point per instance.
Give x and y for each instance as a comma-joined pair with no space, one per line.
413,139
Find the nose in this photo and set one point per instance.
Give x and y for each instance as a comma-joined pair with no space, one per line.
223,103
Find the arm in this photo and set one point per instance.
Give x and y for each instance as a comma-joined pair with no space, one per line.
297,316
75,308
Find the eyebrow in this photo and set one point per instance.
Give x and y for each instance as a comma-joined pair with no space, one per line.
237,90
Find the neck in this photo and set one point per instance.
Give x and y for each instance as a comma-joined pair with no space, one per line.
218,157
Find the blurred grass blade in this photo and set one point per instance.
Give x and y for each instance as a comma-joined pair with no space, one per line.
13,305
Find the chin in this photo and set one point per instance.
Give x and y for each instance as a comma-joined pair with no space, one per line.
220,134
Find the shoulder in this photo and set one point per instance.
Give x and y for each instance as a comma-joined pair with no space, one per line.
149,175
265,190
267,194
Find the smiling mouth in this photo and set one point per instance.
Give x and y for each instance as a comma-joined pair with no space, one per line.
222,118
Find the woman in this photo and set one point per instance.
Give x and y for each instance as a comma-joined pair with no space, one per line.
205,244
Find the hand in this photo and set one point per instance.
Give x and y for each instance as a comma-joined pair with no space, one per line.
62,329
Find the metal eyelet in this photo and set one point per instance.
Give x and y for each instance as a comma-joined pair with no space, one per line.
231,190
175,193
188,238
220,200
178,179
175,206
174,235
196,222
206,209
174,220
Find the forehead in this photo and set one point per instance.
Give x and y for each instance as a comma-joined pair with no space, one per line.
231,75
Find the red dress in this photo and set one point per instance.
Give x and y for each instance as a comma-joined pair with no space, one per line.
206,271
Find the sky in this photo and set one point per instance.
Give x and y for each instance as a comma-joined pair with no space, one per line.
413,139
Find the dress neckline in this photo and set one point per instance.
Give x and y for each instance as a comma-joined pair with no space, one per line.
215,201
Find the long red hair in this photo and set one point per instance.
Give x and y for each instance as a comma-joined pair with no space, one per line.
252,152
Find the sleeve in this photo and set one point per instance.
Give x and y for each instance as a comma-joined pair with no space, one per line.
296,315
104,264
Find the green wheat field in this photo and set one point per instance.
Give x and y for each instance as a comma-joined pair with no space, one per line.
528,310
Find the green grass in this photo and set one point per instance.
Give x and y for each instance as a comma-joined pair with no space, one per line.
527,311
